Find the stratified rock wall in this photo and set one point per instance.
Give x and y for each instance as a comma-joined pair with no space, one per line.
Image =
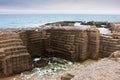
93,43
70,42
81,44
35,41
62,43
108,45
14,57
75,44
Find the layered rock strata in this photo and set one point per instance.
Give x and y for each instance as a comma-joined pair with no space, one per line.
14,57
64,40
109,44
35,41
75,44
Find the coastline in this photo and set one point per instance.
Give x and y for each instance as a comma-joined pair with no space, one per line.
56,75
66,39
30,20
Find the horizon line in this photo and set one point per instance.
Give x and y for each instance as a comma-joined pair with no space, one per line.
69,13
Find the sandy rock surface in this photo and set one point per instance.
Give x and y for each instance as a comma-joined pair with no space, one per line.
105,69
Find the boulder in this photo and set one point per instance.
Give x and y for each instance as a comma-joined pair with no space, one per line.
67,76
115,54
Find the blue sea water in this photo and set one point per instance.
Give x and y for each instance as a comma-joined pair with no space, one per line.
31,20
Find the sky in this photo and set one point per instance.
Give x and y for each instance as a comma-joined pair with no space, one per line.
61,6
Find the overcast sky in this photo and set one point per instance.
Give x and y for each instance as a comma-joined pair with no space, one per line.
60,6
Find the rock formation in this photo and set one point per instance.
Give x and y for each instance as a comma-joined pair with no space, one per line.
67,77
115,54
109,44
104,69
61,39
116,27
35,41
14,57
74,44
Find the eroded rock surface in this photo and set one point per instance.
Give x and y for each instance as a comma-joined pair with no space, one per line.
105,69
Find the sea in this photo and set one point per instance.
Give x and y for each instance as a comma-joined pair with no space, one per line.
35,20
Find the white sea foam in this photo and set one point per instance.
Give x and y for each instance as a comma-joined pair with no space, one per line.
104,31
36,59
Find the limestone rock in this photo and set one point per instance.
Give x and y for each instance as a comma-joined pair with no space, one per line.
67,76
115,54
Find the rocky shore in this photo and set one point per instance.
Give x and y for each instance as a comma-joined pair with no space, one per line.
103,69
23,49
49,73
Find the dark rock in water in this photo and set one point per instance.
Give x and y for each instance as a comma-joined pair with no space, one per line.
91,23
67,76
40,63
